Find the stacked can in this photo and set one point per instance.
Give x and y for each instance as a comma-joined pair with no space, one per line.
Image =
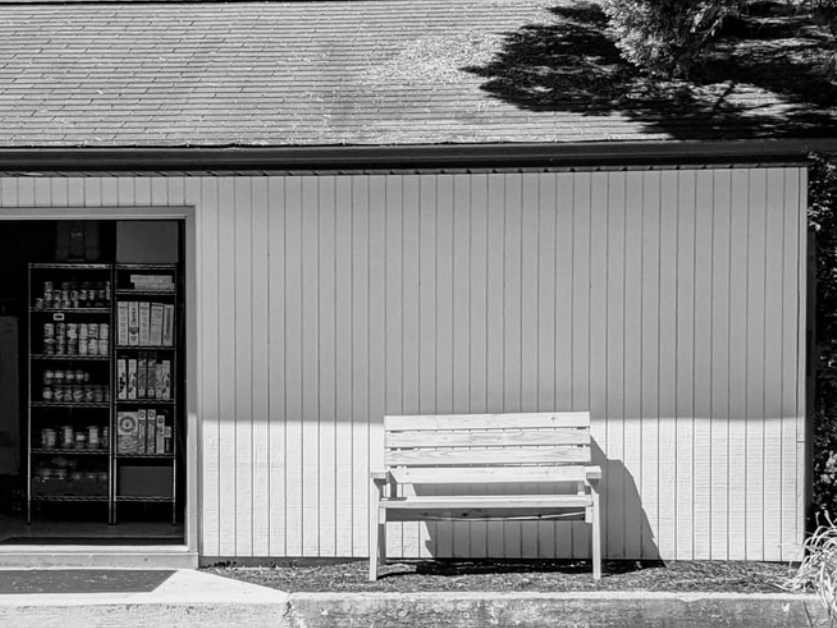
71,294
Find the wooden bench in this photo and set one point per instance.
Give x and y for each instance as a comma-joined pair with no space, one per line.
551,447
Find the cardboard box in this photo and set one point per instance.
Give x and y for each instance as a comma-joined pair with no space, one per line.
160,444
145,481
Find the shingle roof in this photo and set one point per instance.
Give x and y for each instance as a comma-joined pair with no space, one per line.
359,72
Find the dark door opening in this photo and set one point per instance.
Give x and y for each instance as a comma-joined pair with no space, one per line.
92,372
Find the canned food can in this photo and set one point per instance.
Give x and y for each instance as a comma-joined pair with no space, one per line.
47,286
39,303
60,348
47,393
105,436
75,476
67,435
48,438
98,394
92,436
80,439
83,332
61,329
82,348
48,296
49,330
103,477
72,347
104,331
92,330
49,376
92,346
89,397
65,295
78,394
72,330
65,285
103,347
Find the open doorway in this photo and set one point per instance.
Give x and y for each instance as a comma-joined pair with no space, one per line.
92,382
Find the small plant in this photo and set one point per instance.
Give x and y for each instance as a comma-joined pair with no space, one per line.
666,37
818,569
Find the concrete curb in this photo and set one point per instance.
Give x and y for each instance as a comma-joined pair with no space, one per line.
571,610
191,599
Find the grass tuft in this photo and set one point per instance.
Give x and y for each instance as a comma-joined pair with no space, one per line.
818,569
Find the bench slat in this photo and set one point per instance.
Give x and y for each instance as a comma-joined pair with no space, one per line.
511,438
430,457
487,475
464,502
487,421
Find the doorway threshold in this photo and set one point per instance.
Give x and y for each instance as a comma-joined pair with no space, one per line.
50,556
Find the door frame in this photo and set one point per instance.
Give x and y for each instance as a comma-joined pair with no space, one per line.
187,214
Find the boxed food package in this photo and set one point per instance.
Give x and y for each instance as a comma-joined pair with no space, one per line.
132,378
144,322
151,378
142,375
127,432
142,426
160,444
121,379
156,334
133,323
122,323
151,432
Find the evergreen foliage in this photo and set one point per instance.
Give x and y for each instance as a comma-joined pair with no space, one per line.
666,37
822,219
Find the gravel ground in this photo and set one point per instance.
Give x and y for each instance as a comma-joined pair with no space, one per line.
506,576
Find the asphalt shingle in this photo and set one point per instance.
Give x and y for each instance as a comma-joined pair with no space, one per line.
360,72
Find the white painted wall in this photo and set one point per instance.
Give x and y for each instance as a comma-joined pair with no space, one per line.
668,302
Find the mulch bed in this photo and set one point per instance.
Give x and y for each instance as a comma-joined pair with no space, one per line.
517,576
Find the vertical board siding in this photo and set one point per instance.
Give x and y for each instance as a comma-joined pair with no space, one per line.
668,303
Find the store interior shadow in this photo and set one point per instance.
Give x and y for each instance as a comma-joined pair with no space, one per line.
628,541
569,64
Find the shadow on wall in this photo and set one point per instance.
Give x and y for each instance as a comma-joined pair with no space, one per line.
626,531
764,77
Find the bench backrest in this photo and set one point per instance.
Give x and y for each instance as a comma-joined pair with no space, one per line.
535,443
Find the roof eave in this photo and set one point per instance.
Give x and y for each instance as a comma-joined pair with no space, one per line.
34,160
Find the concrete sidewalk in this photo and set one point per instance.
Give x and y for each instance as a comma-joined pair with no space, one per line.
191,599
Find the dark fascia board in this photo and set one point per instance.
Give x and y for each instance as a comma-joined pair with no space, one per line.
418,157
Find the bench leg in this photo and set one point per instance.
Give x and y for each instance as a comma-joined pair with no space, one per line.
596,532
377,540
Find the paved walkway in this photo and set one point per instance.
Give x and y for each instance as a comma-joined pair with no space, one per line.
187,599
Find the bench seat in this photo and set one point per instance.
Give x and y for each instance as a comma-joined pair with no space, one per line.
513,449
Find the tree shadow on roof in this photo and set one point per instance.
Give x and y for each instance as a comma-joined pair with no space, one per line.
763,78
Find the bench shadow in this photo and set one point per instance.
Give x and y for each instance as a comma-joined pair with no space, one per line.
628,540
761,79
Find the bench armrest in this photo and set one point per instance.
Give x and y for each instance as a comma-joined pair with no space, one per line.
379,476
593,473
